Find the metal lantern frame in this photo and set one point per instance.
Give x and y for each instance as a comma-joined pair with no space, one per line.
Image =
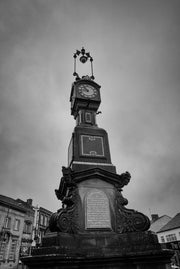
83,58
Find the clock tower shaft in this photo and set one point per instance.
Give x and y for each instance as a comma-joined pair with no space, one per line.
89,145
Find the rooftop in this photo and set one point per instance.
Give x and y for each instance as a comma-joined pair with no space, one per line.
12,203
174,223
44,210
159,222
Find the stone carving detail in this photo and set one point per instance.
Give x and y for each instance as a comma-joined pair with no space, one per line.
63,222
129,220
66,182
125,178
66,219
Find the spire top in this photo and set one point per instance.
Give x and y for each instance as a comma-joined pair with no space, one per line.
83,58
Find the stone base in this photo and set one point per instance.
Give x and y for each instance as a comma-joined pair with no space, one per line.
137,250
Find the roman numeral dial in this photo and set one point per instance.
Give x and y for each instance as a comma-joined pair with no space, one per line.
87,91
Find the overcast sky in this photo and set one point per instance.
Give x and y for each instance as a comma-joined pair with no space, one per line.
136,49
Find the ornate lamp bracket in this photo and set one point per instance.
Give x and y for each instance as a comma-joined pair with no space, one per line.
83,58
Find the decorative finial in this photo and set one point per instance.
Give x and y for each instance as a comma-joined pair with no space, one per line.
83,57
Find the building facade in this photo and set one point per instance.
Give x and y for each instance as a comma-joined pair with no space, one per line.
27,235
41,223
12,218
22,227
169,235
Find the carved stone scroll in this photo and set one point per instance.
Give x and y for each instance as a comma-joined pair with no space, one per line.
66,219
129,220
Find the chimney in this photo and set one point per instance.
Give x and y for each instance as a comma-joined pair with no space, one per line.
29,202
154,217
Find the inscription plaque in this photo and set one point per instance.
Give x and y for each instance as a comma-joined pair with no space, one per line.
97,210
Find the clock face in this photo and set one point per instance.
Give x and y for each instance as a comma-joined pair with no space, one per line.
87,90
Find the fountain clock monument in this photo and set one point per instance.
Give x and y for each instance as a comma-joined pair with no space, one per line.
94,228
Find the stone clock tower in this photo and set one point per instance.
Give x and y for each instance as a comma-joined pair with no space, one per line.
94,229
89,145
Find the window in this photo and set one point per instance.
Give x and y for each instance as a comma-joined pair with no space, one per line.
27,227
162,239
3,249
16,225
12,251
7,223
41,219
25,250
41,236
80,117
45,221
88,117
171,237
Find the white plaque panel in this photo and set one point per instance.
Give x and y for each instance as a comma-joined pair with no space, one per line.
97,210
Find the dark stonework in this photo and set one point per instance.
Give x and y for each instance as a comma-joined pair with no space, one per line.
120,240
70,217
80,159
137,250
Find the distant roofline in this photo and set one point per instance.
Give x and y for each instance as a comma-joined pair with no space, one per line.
11,203
20,205
160,218
165,230
45,210
174,223
164,216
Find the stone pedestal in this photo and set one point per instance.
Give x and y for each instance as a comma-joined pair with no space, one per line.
94,229
136,250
